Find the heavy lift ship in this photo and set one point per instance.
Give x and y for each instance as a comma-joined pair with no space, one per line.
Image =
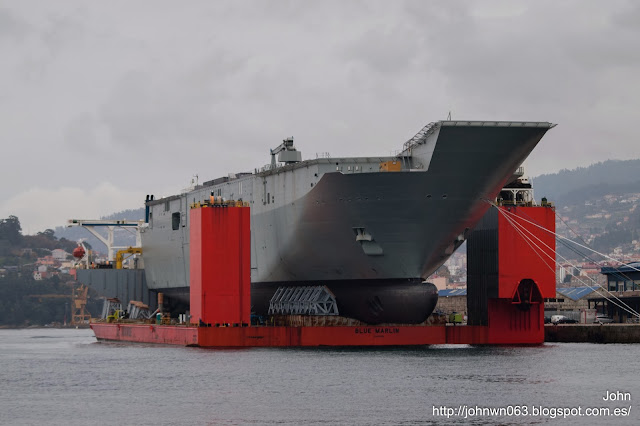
508,279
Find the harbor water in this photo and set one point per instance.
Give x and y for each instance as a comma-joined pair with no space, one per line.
65,377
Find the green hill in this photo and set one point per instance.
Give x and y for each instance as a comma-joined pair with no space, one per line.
598,202
571,186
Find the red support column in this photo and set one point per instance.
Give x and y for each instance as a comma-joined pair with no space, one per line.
526,265
519,258
220,255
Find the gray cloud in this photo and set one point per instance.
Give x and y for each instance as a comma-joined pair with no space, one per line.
12,27
139,96
388,51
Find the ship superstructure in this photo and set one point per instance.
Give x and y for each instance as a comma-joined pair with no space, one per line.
370,229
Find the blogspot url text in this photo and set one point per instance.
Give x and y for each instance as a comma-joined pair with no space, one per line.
466,412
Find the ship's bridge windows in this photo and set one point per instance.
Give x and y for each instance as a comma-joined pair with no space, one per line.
175,221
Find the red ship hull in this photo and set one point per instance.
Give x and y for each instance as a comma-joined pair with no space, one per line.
390,335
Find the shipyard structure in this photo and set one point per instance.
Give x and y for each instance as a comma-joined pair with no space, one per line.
342,246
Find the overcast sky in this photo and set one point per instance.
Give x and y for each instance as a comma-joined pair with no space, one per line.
104,102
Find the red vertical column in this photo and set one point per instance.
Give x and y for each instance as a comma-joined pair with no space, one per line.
220,281
244,266
526,251
195,264
526,265
223,306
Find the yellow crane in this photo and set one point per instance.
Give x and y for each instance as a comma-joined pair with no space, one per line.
79,296
120,255
78,304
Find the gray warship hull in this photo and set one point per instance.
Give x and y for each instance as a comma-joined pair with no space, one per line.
372,236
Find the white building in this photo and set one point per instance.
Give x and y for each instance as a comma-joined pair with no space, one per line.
59,254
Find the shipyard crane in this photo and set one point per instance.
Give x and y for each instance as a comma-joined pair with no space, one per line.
79,296
121,255
286,152
110,225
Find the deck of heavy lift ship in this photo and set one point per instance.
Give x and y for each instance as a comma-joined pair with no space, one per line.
499,333
236,337
507,306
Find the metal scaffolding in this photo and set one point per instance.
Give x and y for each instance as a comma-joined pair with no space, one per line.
138,310
316,300
110,307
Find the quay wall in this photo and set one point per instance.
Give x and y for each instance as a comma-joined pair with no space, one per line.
592,333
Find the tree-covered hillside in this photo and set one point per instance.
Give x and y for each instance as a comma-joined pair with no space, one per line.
23,300
607,177
13,243
599,203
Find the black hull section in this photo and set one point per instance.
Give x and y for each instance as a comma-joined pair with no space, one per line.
370,301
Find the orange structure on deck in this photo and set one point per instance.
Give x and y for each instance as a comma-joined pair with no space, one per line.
510,272
220,260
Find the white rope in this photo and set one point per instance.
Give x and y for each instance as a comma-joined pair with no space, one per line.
625,307
527,240
630,309
618,273
575,266
570,240
516,227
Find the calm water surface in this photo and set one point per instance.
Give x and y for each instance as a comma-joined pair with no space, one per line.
50,376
